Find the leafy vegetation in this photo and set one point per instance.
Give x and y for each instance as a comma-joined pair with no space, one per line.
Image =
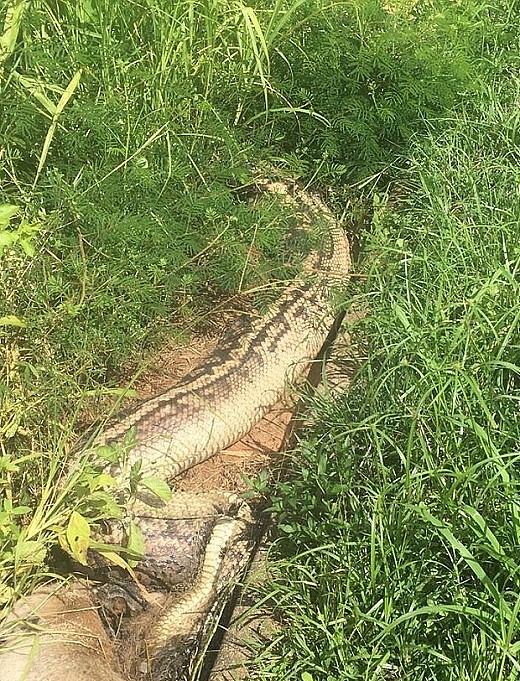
398,525
372,75
131,132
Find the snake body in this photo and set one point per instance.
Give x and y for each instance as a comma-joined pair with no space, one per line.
210,409
235,386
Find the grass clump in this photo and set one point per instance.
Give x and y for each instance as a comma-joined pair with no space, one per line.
403,511
130,178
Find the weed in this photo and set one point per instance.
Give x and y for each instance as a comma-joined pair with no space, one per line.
371,75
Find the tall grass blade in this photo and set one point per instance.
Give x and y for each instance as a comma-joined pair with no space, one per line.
64,99
12,22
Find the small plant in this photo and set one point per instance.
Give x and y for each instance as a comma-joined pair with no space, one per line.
23,235
354,84
95,495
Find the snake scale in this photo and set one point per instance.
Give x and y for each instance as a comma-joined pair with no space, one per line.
204,542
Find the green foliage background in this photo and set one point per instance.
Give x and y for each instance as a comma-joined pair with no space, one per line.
131,133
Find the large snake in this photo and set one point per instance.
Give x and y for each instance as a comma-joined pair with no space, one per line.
203,542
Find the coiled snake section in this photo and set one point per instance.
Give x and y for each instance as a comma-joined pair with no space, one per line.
212,408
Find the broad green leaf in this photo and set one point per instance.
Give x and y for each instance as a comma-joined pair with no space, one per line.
20,510
7,239
78,537
101,480
11,320
7,211
107,453
85,12
402,316
159,487
27,246
29,551
106,504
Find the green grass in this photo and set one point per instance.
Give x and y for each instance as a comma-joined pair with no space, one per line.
399,523
129,132
131,224
128,128
134,195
